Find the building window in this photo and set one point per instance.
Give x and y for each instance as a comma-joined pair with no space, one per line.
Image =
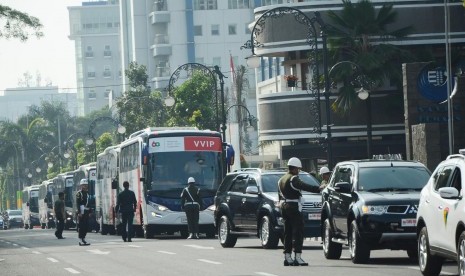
107,51
197,30
106,95
199,60
216,29
217,61
89,52
271,2
232,29
92,95
238,4
90,72
106,71
205,5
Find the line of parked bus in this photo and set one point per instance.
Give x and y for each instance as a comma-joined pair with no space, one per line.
157,163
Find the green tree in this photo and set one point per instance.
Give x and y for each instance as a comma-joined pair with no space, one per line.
104,141
140,107
360,34
18,24
195,103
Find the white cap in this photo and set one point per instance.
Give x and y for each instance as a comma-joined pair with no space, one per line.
324,170
83,182
294,162
191,180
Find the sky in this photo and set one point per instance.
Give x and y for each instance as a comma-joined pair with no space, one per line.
52,55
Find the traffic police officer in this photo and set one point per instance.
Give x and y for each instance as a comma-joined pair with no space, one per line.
126,205
290,187
191,204
82,200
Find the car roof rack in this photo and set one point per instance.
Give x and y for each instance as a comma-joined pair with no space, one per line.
461,155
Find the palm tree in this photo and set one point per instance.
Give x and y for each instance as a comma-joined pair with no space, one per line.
360,34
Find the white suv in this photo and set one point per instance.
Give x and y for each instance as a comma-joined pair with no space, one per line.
441,217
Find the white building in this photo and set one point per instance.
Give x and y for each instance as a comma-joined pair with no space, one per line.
15,102
95,27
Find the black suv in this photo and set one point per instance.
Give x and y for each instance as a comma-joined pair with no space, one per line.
372,204
247,204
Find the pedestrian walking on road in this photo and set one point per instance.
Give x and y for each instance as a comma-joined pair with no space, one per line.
191,204
60,215
127,205
82,199
290,192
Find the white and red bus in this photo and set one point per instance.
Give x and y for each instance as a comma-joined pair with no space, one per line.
30,206
89,172
64,183
157,163
106,190
47,197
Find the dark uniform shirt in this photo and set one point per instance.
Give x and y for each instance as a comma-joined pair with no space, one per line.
127,202
290,187
194,192
59,208
81,199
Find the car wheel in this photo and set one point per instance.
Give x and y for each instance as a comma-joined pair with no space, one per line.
461,254
224,233
332,250
429,265
359,252
268,236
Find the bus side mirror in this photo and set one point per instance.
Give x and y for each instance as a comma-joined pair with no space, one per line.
114,184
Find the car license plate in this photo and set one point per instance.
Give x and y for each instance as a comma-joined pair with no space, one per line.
314,216
184,220
18,219
408,222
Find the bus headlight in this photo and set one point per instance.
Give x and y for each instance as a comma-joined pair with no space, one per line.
212,208
69,213
158,207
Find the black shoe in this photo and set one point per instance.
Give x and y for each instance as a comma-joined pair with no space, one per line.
286,263
61,238
124,239
129,240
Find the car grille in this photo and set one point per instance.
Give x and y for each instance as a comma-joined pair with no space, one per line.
397,209
312,207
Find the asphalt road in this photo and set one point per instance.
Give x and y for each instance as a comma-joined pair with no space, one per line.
38,252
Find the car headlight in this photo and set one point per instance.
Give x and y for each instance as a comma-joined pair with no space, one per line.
69,213
374,209
158,207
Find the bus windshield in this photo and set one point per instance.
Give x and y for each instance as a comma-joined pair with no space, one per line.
34,201
170,170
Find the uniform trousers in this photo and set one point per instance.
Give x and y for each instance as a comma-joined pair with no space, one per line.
84,225
293,227
192,214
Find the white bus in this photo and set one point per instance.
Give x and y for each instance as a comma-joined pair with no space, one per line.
157,163
47,196
89,172
30,206
106,190
64,182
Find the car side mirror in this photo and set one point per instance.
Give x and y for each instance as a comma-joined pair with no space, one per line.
343,187
251,190
449,193
114,184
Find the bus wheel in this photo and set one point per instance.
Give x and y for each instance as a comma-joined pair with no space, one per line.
26,226
42,225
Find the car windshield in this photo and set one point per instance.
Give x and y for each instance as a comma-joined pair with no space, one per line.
270,181
14,213
388,179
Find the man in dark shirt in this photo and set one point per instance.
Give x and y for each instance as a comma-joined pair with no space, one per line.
290,187
127,205
191,204
60,215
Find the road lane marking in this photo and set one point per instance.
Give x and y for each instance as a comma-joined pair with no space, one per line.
208,261
167,252
14,244
199,246
1,260
98,252
36,252
265,274
24,247
135,246
52,260
72,270
8,242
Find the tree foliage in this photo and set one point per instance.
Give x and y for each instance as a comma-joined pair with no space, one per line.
20,25
140,107
360,34
195,103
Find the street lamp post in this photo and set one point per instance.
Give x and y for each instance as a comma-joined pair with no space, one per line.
91,137
223,113
70,146
312,40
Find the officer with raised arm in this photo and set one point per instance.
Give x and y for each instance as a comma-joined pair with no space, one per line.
82,199
191,204
290,187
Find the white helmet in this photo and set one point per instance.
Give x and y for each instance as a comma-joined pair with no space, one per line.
191,180
324,170
294,162
83,182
